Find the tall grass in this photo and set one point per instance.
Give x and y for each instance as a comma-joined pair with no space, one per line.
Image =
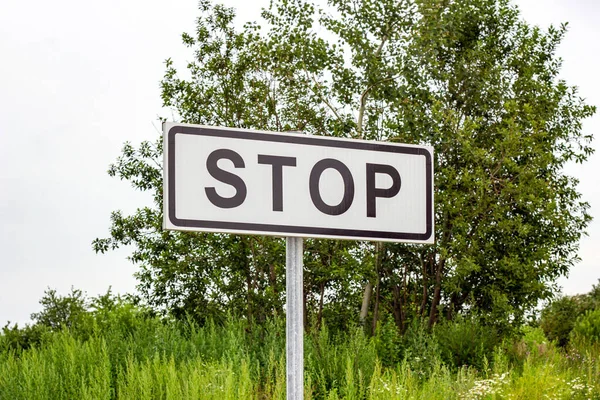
65,369
181,360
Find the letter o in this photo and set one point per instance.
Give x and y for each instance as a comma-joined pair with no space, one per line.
315,194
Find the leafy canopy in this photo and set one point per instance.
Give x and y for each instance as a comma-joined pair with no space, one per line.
468,77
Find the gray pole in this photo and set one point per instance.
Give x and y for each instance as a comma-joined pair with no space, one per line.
294,321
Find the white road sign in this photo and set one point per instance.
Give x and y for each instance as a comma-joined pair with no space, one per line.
286,184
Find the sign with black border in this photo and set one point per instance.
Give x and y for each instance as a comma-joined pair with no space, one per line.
287,184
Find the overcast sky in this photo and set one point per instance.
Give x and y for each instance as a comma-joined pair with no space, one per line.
79,78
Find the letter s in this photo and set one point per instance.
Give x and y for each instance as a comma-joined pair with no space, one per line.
225,177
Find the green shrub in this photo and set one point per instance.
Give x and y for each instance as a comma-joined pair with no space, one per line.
535,341
587,327
466,342
19,339
533,336
531,343
421,349
388,342
62,311
344,360
110,312
558,318
63,368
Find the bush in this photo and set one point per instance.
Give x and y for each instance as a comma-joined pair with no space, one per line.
532,344
421,349
587,327
62,311
19,339
559,317
388,343
465,341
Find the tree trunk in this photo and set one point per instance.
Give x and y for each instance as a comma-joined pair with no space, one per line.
424,300
305,317
320,314
273,284
378,257
364,309
376,307
437,294
397,306
249,283
451,307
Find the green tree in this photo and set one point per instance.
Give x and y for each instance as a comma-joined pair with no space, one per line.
61,311
469,78
560,316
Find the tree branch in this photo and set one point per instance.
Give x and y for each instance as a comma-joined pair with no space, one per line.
363,97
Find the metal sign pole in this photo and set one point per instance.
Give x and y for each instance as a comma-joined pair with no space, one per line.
294,321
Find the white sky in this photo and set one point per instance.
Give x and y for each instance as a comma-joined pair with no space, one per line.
79,78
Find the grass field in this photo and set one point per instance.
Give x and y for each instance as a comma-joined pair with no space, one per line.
150,359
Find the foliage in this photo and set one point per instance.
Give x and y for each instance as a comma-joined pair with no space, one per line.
587,327
559,317
421,350
529,343
61,311
19,339
469,78
82,316
161,359
389,344
535,342
58,312
465,341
